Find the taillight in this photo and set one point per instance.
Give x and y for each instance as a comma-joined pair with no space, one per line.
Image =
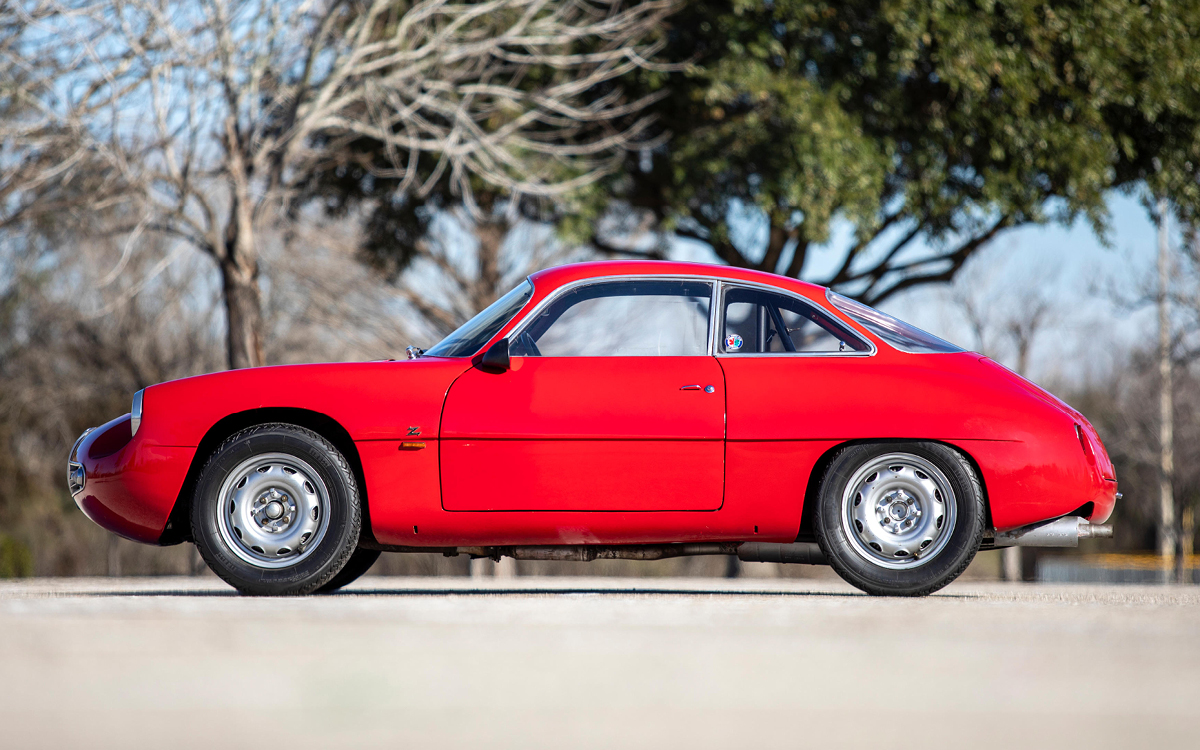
1097,456
1087,446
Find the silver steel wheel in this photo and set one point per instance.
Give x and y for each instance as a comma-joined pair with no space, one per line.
273,511
898,511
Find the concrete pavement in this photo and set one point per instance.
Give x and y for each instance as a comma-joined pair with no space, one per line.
587,662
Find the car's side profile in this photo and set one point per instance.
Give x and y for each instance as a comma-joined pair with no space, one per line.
615,409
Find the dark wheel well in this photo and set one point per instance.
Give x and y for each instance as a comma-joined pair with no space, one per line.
813,491
178,528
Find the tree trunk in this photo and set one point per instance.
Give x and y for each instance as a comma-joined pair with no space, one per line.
1187,535
490,235
506,567
243,302
482,567
238,260
1022,355
1010,564
113,567
243,310
1181,553
1166,405
777,240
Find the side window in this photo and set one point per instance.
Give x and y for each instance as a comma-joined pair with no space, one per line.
759,322
621,319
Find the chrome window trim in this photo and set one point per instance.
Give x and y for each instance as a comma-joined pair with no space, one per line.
804,300
714,282
714,317
78,441
488,344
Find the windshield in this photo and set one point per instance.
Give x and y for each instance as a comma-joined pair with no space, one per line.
472,335
905,337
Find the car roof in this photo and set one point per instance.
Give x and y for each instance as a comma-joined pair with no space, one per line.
552,278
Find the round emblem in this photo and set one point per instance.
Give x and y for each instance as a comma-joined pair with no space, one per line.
733,342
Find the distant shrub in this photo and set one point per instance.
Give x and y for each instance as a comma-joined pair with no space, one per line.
16,561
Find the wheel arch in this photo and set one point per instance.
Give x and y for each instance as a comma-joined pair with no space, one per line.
813,489
178,528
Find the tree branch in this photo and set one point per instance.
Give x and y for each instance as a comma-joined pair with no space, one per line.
912,275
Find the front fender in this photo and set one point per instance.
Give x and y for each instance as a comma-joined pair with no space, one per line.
130,486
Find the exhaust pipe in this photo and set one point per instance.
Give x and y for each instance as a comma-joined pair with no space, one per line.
802,553
1061,532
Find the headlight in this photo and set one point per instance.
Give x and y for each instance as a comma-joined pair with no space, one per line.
76,477
136,413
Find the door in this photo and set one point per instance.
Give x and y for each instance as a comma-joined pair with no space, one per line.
612,403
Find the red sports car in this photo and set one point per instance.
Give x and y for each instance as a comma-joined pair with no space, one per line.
611,410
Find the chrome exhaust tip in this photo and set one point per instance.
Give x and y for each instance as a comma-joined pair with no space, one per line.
1061,532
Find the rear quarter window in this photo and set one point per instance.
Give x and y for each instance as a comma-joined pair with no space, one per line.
901,335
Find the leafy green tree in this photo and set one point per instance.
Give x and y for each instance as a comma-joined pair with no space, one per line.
930,126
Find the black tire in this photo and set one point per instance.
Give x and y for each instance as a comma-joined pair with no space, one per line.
360,562
332,518
952,533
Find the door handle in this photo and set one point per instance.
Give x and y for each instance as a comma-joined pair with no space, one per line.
706,389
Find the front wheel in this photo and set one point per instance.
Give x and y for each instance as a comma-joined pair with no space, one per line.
360,562
900,519
276,511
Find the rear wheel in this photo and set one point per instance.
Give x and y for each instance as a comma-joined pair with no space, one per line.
276,511
900,519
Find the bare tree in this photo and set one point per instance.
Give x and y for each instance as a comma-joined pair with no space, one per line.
73,350
1186,301
1005,309
194,120
1023,330
460,264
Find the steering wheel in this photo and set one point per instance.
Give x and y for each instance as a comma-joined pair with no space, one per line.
528,344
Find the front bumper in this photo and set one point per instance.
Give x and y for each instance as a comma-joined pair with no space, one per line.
125,485
76,474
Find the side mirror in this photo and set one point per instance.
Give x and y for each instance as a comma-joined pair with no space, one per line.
496,358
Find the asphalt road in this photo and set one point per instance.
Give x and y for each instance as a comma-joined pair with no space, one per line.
570,662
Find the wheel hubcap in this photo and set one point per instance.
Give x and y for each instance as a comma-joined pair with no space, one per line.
274,510
899,511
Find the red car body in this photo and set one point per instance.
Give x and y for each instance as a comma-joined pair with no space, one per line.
605,450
